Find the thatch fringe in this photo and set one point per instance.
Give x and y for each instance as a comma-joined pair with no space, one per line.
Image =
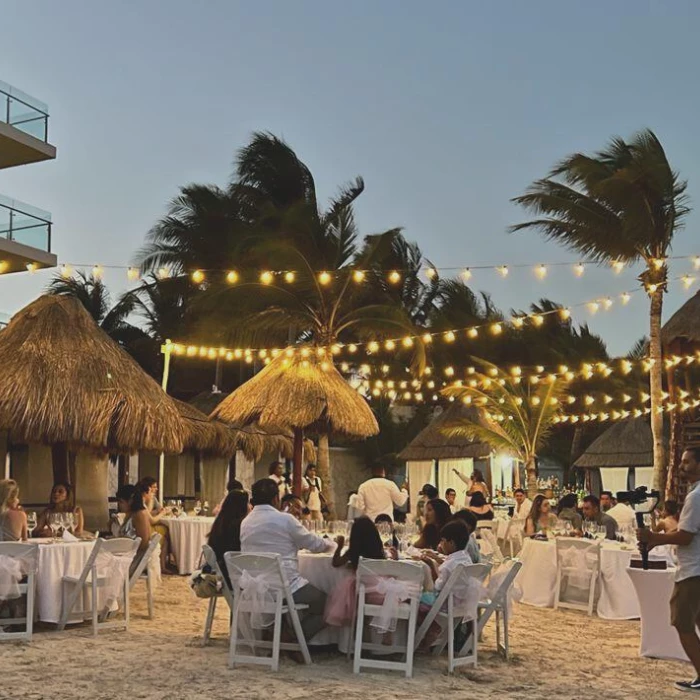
684,325
65,381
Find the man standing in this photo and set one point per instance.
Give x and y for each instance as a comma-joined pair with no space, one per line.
622,513
685,601
450,497
523,505
592,513
276,472
266,529
379,495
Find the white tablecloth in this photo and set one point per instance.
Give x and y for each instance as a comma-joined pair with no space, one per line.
55,561
659,639
538,576
187,535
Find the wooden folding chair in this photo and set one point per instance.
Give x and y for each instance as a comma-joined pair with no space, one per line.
266,571
27,555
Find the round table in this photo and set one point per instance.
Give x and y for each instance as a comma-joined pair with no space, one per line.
658,639
187,535
56,560
538,576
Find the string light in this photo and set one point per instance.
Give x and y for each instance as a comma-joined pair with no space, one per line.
232,277
324,278
394,277
466,274
502,270
267,277
618,266
431,273
163,273
579,269
66,271
289,277
541,271
358,276
198,277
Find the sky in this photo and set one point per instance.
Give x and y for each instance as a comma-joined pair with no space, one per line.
447,109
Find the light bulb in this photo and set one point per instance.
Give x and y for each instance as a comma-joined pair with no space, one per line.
289,277
394,277
267,277
450,336
473,333
232,277
503,270
324,278
198,277
466,274
579,269
541,271
358,276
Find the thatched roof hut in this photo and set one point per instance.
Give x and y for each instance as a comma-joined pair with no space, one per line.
683,328
432,443
64,381
300,393
626,443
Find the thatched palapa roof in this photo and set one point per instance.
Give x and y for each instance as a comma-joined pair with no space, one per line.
626,443
684,325
252,440
65,381
300,393
432,443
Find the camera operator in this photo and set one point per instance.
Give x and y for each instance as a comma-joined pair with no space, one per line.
685,601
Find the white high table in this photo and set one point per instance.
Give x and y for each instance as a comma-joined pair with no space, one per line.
538,576
187,535
658,640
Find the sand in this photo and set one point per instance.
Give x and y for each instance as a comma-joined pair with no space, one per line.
556,655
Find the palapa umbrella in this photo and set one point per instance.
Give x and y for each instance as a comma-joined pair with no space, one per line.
66,382
300,393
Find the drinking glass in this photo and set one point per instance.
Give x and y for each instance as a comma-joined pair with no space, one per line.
197,508
31,520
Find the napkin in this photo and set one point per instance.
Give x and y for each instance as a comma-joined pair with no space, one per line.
68,537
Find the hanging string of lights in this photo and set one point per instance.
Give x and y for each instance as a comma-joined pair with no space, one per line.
393,276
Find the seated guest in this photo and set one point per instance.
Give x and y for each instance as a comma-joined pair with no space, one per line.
390,540
232,485
365,542
469,519
148,487
480,508
436,515
292,504
225,534
59,502
592,513
13,520
540,518
453,542
267,529
566,510
451,497
606,501
669,518
622,513
427,493
137,522
523,505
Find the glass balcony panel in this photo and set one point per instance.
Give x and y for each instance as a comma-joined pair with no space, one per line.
23,112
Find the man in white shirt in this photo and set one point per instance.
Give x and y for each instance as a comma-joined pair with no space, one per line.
523,505
276,473
622,513
265,529
685,601
379,495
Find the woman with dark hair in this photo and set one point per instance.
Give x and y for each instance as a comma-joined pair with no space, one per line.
436,515
365,542
312,493
481,509
475,484
60,501
541,518
137,522
566,510
225,534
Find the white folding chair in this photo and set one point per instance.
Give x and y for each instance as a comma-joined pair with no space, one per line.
263,572
395,573
448,611
143,572
499,603
88,583
513,536
226,593
27,556
577,559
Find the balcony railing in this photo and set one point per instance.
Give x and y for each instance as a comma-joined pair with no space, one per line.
24,112
25,224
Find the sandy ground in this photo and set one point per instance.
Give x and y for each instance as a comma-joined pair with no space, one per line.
557,655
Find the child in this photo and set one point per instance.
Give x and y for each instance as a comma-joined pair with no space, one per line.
454,538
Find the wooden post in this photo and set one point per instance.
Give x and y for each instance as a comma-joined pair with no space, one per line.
298,459
166,350
59,462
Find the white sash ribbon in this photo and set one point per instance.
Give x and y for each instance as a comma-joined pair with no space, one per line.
395,592
114,568
255,596
12,571
513,595
467,594
579,564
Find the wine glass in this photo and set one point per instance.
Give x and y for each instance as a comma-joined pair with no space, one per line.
54,525
197,508
31,520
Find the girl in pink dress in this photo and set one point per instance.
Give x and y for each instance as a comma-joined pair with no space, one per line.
364,542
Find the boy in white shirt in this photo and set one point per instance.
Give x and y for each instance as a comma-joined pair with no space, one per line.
454,538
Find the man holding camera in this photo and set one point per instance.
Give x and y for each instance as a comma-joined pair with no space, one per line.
685,601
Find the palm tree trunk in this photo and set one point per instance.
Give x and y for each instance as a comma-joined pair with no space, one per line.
575,452
531,471
656,388
323,463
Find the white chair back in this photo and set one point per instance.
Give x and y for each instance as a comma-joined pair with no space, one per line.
18,560
142,566
578,566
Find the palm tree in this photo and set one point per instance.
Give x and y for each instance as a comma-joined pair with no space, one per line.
624,204
516,417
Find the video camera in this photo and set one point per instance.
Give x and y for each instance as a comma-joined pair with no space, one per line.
642,503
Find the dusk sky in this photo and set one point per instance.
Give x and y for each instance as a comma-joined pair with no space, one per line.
447,109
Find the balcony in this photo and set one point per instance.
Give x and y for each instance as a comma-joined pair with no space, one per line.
24,129
25,237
